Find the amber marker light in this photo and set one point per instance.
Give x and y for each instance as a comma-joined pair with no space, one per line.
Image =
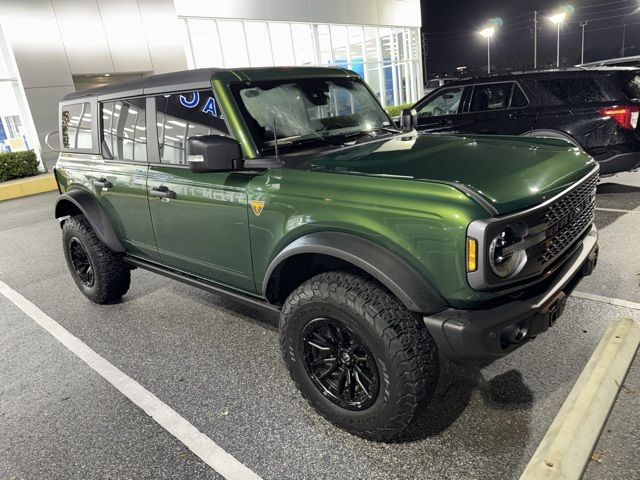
472,254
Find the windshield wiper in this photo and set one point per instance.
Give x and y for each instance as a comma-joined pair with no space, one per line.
360,133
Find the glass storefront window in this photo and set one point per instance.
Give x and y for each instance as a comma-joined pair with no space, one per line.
205,43
282,43
259,44
325,56
303,43
388,58
234,47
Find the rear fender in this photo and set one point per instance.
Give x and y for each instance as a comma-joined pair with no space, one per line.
78,200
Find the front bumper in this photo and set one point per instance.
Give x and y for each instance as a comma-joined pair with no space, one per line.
476,336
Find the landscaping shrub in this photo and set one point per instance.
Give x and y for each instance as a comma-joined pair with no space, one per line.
18,165
396,110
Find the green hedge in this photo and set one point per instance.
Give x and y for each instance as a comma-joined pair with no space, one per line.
18,165
396,110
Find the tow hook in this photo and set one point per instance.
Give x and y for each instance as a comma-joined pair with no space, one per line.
590,264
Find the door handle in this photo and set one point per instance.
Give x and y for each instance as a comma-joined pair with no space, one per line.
102,183
162,192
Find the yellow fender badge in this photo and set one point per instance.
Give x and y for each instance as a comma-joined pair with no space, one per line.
257,206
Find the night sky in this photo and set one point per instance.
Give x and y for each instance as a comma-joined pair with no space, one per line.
451,29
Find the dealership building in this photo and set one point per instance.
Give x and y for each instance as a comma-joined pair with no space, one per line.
49,48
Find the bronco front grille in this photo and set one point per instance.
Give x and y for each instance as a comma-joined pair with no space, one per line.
568,217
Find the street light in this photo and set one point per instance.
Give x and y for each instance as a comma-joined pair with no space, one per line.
558,18
488,33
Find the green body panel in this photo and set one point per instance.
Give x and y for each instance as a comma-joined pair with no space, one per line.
511,173
405,193
125,202
126,205
204,230
424,224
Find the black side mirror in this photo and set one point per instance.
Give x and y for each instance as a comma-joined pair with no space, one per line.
213,153
409,119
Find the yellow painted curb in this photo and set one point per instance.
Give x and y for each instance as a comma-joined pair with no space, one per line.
27,186
566,448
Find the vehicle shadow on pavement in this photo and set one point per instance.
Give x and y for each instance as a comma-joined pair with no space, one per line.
505,392
610,187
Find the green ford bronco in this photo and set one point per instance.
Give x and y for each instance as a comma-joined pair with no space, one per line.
384,252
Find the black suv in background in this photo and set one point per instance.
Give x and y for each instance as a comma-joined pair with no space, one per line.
596,109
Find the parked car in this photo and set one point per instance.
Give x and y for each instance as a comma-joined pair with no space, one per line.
431,85
289,189
631,61
596,109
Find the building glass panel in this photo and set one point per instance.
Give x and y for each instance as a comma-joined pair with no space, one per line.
16,125
258,44
387,58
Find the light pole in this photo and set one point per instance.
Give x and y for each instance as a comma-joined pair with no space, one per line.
582,24
488,33
558,18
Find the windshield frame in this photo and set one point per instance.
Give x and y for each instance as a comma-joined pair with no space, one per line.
265,147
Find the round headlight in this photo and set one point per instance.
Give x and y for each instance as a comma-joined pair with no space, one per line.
505,260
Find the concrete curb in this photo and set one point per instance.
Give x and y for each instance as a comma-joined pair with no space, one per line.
566,448
27,186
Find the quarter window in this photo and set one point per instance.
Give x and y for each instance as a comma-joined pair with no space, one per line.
494,96
183,115
124,129
76,126
573,91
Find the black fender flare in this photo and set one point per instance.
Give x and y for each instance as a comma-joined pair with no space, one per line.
550,133
411,288
94,213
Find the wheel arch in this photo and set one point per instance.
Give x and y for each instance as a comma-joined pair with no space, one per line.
551,133
348,251
79,201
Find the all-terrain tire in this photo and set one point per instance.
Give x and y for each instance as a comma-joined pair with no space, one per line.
111,277
405,354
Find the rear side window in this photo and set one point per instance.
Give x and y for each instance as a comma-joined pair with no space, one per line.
494,96
573,91
183,115
76,126
124,129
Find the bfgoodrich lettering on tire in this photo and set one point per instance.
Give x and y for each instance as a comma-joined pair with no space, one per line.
359,357
99,272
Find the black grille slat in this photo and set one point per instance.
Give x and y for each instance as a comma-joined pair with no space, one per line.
568,217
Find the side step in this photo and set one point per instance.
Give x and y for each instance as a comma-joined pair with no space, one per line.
196,282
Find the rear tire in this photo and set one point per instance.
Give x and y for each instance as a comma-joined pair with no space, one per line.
100,273
344,322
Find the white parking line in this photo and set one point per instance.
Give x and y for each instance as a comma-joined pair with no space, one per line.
613,301
618,210
205,448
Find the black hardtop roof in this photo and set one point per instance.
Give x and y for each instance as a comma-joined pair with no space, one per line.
560,72
196,79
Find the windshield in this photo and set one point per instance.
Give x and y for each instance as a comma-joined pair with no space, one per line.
318,109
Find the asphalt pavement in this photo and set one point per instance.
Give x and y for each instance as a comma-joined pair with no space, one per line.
217,364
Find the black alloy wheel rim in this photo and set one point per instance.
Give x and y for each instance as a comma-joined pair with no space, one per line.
81,262
340,364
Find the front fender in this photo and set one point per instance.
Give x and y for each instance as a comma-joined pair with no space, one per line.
80,201
386,267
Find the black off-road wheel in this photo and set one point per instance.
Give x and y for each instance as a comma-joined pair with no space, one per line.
100,273
359,357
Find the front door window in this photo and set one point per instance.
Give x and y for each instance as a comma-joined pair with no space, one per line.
446,102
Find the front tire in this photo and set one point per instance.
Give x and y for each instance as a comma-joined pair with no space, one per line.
100,273
359,356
